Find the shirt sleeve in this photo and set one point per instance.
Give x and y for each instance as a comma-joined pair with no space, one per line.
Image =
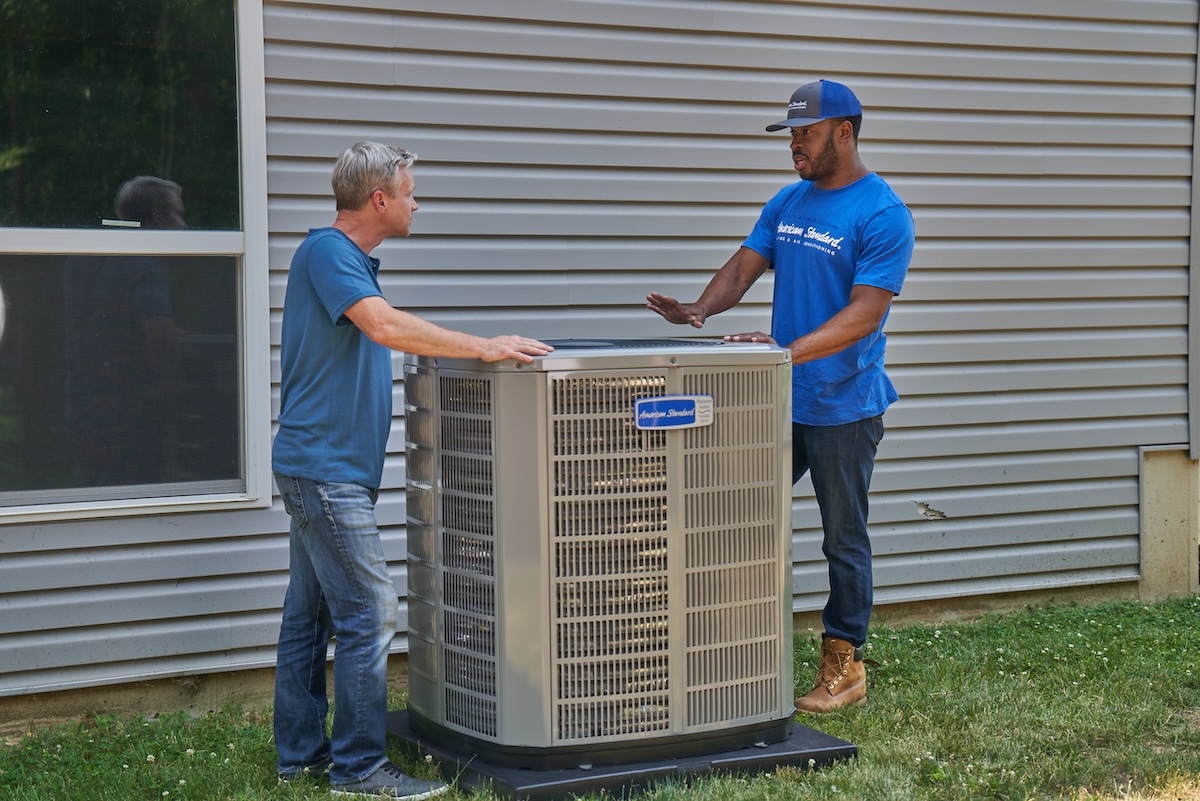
886,249
340,277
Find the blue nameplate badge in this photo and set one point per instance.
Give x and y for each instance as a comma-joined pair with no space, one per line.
674,411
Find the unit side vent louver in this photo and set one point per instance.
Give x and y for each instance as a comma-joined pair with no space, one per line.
459,577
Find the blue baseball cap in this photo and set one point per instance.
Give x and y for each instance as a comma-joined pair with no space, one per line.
818,101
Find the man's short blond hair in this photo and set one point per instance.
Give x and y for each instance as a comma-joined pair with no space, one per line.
365,167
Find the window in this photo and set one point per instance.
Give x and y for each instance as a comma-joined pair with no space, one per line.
133,345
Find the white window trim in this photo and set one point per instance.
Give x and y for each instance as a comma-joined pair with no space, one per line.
250,244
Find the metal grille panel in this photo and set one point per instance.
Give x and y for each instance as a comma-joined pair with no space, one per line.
732,548
610,570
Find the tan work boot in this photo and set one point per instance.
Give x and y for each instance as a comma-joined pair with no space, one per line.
841,679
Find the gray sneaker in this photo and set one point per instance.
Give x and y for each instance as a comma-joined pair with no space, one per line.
388,781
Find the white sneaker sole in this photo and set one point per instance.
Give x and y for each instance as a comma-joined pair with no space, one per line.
382,794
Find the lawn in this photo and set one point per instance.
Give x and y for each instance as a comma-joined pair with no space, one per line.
1075,703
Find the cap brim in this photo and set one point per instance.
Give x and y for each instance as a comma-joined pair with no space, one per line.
794,122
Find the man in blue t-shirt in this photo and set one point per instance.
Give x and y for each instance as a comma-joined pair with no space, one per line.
335,414
839,241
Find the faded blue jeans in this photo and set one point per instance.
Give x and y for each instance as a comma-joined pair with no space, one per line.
338,586
841,460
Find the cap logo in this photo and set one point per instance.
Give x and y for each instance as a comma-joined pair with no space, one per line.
819,100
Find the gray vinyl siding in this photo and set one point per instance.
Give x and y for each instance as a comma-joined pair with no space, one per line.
576,155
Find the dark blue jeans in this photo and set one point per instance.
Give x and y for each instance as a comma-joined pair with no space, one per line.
338,586
841,460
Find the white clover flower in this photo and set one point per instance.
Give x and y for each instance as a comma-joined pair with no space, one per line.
150,757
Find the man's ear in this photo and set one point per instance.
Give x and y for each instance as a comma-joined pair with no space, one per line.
845,131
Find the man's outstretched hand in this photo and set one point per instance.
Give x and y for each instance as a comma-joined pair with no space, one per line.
675,312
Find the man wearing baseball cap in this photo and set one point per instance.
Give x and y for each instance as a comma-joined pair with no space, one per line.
840,241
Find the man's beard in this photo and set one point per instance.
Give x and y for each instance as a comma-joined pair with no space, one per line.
822,164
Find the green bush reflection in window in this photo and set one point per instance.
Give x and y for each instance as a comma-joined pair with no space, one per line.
96,92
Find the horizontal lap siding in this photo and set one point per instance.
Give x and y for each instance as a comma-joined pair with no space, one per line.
1042,337
576,155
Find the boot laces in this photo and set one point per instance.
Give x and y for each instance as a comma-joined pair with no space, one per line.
835,665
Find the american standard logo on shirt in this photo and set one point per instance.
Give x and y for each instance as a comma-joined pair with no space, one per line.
810,237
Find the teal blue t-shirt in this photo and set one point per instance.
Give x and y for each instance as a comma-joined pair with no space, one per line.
821,243
335,396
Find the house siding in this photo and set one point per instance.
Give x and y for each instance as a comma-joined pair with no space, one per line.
576,155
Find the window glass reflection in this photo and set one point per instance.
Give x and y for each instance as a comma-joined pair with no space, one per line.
119,373
95,92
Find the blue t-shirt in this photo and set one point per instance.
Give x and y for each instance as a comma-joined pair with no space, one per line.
335,383
820,243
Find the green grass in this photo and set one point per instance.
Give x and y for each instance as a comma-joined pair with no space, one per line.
1078,702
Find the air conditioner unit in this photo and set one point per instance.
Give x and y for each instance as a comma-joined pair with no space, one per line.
599,552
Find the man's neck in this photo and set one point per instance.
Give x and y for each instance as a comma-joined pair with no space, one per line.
854,171
355,229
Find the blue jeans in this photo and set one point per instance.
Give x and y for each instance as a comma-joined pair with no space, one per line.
338,586
841,460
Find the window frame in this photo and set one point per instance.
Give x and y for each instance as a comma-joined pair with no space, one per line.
249,245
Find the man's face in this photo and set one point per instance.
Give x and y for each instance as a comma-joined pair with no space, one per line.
401,205
814,153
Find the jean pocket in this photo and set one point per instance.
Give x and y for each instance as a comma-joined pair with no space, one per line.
293,499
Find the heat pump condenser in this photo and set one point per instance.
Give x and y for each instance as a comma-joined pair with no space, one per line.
599,551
